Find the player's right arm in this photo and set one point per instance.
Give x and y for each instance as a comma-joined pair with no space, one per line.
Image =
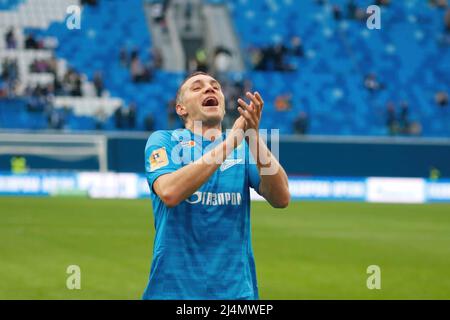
174,187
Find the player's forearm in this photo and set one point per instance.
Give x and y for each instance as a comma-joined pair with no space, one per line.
274,185
181,184
275,188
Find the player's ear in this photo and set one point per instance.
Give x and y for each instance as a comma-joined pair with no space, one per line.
181,110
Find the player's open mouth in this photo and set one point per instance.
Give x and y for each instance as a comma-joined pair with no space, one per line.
210,102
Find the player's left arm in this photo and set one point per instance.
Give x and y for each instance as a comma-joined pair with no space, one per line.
274,185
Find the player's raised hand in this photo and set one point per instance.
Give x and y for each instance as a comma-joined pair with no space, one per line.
237,132
239,124
251,112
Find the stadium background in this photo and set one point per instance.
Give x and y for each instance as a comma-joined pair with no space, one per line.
363,116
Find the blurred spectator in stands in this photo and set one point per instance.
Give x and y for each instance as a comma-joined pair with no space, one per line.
257,58
273,57
77,92
10,39
361,15
4,69
221,62
198,63
137,69
10,71
283,102
337,12
438,3
356,13
10,75
50,93
403,121
100,119
351,9
36,102
53,65
55,120
39,66
3,90
89,2
277,54
30,42
447,20
123,57
98,83
441,99
57,85
119,114
156,57
134,54
125,118
371,83
40,98
267,58
139,72
71,83
131,115
382,2
201,60
444,38
391,119
297,47
44,66
158,10
415,129
149,122
301,123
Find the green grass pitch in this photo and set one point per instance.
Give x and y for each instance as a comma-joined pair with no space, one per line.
311,250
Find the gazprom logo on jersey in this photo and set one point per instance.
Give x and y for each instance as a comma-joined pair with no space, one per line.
215,199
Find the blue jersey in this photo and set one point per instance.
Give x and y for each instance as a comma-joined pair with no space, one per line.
202,247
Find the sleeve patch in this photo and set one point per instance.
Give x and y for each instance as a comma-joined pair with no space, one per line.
158,159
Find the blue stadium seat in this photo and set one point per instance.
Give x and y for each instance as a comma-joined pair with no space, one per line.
328,82
9,4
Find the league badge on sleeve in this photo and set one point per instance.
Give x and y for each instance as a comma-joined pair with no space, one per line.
158,159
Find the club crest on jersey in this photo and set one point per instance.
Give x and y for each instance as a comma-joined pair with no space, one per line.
228,163
158,159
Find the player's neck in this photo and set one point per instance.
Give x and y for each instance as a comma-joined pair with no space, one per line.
209,132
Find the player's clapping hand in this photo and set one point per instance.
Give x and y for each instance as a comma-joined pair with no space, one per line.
239,124
237,132
251,112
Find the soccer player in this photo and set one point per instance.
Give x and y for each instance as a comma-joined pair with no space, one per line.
199,179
